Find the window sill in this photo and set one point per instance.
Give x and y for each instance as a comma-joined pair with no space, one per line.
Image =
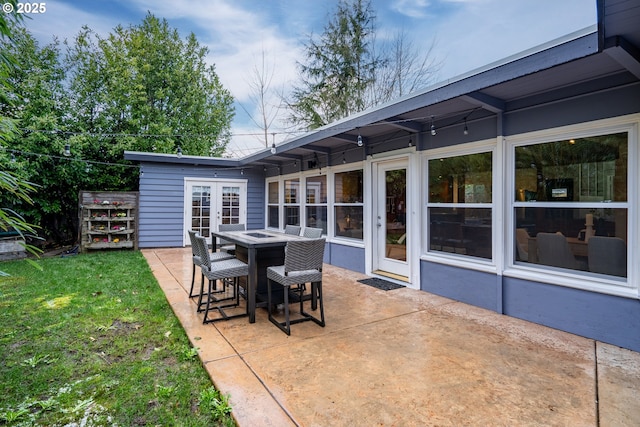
346,242
462,261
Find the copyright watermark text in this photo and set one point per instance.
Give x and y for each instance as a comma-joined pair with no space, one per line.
26,8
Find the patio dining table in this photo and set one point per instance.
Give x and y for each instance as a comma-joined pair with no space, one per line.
259,249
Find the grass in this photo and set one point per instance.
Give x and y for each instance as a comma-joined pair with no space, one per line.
91,340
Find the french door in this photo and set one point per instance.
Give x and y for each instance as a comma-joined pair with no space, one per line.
209,203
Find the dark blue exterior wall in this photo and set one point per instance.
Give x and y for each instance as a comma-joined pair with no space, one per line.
468,286
606,318
161,212
348,257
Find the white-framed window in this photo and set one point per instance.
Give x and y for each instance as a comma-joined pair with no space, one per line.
459,199
348,206
292,200
316,202
273,204
332,201
570,198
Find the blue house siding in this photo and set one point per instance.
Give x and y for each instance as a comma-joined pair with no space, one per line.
606,318
468,286
348,257
161,212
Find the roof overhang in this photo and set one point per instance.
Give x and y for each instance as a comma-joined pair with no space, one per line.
175,159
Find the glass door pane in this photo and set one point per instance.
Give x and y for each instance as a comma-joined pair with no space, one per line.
230,205
201,209
396,217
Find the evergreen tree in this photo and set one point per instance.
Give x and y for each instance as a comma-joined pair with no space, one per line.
340,67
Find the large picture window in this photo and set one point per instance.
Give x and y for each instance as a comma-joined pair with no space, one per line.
459,204
570,204
348,206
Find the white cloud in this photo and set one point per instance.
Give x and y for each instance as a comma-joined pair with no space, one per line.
411,8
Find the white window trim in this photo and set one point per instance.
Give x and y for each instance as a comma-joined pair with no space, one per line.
331,213
244,189
329,172
459,260
584,281
267,204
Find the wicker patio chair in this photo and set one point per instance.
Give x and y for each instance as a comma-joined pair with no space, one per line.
312,233
196,257
302,264
226,246
221,270
292,229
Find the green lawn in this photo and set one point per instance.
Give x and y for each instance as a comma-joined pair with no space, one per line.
91,340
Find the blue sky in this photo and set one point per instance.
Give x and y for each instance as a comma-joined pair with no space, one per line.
469,33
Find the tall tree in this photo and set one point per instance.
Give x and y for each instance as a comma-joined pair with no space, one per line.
262,95
407,68
146,80
340,67
348,70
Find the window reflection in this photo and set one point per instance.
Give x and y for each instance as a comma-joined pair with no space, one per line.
349,221
273,208
590,169
464,231
348,210
316,202
348,187
461,179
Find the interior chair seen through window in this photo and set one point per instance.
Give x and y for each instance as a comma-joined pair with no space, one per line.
608,255
522,244
553,250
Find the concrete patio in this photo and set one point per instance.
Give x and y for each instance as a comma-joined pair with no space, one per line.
403,358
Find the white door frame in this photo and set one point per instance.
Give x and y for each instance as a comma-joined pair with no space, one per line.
404,158
216,186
